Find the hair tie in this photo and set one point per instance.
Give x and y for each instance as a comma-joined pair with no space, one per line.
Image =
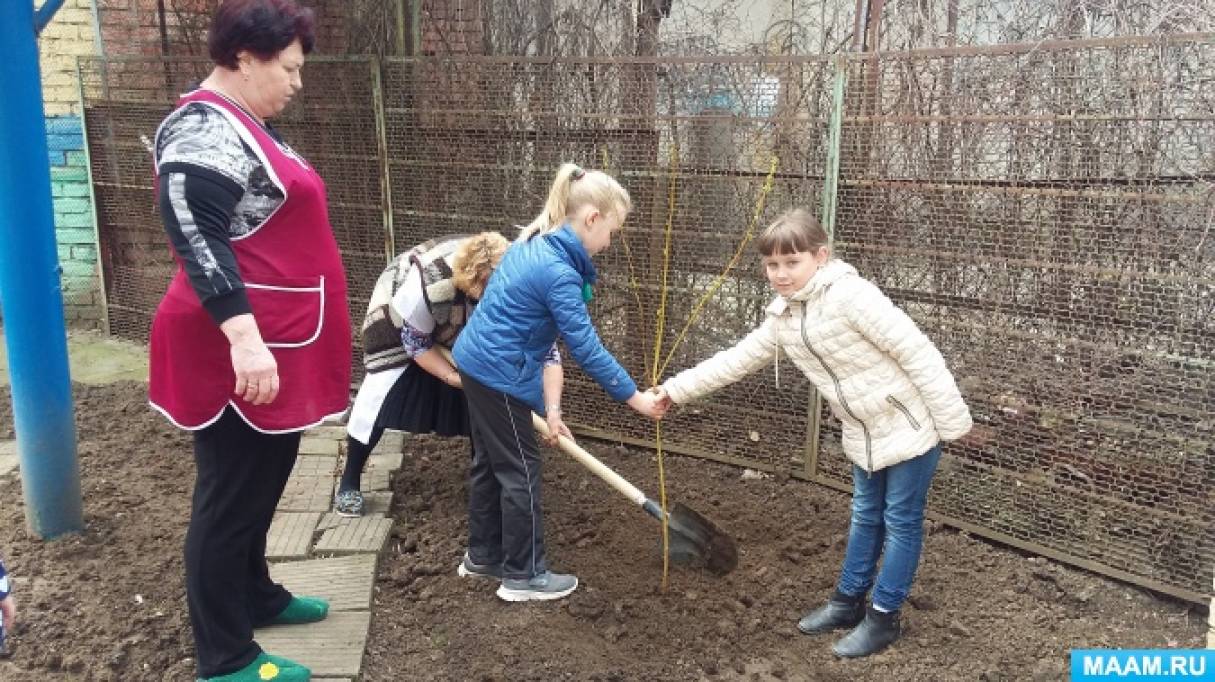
577,173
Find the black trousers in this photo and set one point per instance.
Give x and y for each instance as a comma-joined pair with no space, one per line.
505,520
241,476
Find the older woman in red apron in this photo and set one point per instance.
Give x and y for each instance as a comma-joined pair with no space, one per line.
251,343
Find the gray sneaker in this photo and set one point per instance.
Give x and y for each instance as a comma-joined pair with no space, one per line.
467,568
547,585
348,503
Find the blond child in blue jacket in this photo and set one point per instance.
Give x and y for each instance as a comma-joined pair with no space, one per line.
508,370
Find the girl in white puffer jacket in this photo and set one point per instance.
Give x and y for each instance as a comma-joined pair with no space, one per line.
890,388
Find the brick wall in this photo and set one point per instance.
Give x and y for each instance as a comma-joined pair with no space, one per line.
452,27
333,24
70,34
132,27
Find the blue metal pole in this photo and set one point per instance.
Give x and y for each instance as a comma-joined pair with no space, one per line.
29,286
43,16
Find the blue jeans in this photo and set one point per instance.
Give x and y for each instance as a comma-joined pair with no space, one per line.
887,519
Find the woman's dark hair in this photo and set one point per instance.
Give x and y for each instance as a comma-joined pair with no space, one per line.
263,27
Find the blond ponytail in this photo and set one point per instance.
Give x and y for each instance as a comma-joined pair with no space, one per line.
555,207
572,189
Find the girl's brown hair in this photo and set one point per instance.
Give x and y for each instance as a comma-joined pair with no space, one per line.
796,230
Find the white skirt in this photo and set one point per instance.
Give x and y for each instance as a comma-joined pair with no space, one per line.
369,400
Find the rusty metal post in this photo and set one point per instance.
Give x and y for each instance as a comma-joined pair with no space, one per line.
381,136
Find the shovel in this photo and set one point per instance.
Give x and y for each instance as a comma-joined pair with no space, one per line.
693,539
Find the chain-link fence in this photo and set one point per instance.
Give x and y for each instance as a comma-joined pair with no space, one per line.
1045,213
338,130
1041,211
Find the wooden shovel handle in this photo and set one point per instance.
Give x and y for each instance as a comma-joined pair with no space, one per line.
588,460
584,458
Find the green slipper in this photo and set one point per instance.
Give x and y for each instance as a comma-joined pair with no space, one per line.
265,668
301,610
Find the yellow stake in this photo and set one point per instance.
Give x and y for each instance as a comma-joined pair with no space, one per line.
654,371
657,370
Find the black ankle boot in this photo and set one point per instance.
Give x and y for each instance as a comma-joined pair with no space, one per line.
841,611
876,632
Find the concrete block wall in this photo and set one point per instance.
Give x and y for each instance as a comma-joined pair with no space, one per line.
70,34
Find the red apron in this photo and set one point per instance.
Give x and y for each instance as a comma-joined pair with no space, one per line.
296,286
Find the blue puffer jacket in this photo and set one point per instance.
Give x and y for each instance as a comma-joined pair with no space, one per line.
535,294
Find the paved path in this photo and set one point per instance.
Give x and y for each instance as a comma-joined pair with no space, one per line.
312,551
315,552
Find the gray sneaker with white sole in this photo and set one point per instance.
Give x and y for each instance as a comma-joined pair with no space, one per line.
468,568
547,585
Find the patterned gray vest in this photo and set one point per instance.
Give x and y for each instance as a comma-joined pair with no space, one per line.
447,305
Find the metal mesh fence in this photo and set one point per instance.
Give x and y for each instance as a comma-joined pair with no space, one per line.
1042,213
1045,214
691,139
337,130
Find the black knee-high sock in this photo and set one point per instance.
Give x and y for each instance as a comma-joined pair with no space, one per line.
356,458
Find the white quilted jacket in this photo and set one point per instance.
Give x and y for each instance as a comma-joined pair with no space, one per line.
885,381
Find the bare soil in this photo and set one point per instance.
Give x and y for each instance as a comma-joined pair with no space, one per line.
108,604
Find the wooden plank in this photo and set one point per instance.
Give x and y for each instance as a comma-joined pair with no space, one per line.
332,647
290,535
346,582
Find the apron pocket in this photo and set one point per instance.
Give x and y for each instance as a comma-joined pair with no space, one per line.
289,311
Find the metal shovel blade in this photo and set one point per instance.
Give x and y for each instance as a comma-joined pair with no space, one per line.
696,540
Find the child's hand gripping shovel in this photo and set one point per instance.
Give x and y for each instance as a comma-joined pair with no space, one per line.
693,538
